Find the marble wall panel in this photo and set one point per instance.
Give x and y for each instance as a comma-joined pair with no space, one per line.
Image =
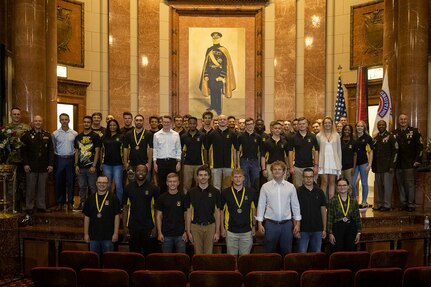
149,57
29,46
314,59
285,59
119,57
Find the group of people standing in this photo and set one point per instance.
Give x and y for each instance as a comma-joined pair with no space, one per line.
229,162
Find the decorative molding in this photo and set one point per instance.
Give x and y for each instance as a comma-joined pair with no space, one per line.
215,2
70,87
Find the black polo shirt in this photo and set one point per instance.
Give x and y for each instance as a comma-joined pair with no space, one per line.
310,203
138,156
348,150
193,148
125,130
113,147
238,222
364,144
173,207
303,148
202,130
102,228
274,150
141,200
221,148
249,145
202,202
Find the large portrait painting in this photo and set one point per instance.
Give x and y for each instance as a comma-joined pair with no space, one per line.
70,33
217,60
216,70
366,31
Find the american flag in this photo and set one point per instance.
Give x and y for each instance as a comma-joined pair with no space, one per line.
340,104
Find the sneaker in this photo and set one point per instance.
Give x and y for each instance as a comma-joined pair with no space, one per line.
78,208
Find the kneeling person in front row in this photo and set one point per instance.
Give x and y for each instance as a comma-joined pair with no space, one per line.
170,217
237,218
102,218
278,207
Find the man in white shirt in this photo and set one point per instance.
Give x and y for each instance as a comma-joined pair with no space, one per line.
166,152
279,208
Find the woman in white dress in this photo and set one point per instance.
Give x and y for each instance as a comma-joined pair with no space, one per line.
329,156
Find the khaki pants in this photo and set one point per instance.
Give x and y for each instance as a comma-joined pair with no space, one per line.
189,172
203,237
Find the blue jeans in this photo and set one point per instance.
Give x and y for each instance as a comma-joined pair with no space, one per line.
87,181
173,241
101,246
114,172
310,241
361,169
64,168
278,234
251,171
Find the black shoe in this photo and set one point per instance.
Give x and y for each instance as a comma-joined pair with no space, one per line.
404,207
411,209
377,208
385,209
43,210
70,206
58,207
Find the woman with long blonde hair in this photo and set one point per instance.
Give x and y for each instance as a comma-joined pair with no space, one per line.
329,156
364,159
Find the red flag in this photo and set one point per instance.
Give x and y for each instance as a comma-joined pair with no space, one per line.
362,95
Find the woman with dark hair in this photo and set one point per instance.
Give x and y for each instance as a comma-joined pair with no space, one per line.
363,161
111,157
348,152
344,221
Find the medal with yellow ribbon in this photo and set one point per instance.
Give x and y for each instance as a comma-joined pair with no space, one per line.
239,204
99,209
137,142
345,212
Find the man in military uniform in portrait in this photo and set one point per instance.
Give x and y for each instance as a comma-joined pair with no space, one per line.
217,77
19,128
409,158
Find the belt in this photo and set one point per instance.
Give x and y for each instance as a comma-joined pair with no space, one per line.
278,222
65,156
166,159
203,223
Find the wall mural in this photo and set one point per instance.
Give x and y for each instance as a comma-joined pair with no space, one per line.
366,34
70,33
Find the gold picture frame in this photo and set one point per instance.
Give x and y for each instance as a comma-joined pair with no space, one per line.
70,33
366,34
247,22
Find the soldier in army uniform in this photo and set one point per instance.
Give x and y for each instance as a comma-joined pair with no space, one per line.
19,128
409,158
38,160
384,160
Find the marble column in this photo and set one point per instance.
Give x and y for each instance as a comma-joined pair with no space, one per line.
390,49
149,57
119,57
314,59
29,58
284,58
50,120
413,61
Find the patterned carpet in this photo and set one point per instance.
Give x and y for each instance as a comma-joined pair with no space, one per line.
16,282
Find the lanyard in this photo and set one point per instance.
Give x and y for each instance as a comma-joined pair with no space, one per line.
236,199
140,139
99,209
342,206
